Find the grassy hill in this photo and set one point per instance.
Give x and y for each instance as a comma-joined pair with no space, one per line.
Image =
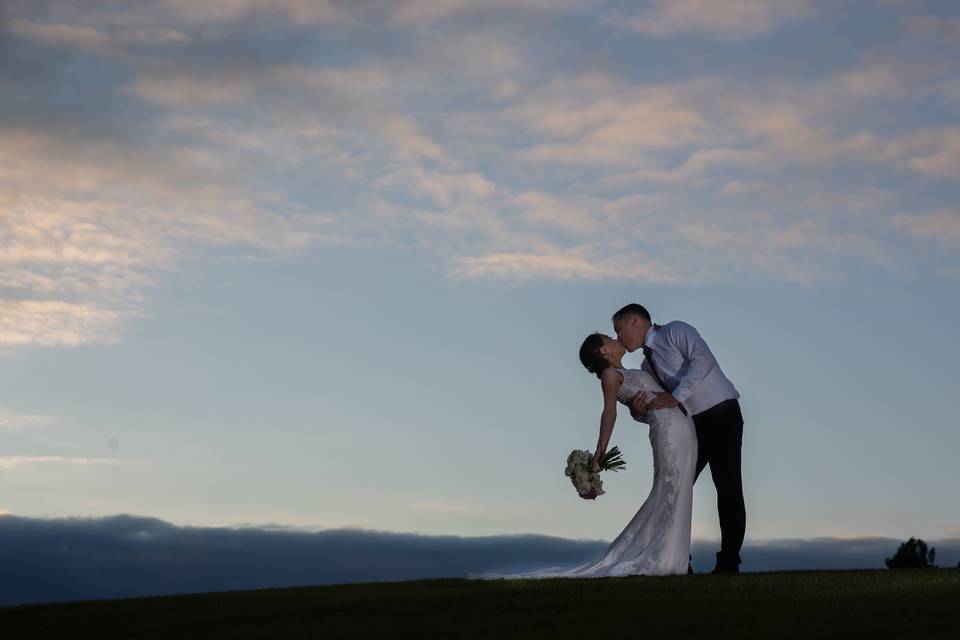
807,604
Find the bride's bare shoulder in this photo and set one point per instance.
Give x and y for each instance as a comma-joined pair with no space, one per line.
611,376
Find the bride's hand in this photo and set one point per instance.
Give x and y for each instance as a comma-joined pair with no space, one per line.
595,462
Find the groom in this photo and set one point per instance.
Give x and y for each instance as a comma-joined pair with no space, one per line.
679,359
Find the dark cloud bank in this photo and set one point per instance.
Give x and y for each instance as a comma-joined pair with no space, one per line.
47,560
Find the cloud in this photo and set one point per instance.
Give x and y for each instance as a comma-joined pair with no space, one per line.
10,463
942,226
418,12
53,322
834,553
937,153
795,133
443,189
145,137
575,265
186,91
61,35
94,40
935,26
87,227
301,12
575,215
596,119
865,82
708,160
180,88
732,19
65,559
409,139
15,421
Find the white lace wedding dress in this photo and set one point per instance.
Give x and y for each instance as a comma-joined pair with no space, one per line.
656,542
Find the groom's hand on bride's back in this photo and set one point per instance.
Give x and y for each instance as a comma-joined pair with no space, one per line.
664,401
639,404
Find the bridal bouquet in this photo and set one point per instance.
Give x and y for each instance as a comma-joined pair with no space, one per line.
585,480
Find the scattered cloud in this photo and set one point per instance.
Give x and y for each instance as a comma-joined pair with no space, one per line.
935,152
53,322
86,229
865,82
732,19
557,266
145,137
418,12
94,40
706,160
10,463
15,421
936,26
300,12
596,119
942,226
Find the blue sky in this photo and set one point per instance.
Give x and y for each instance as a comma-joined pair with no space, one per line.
328,264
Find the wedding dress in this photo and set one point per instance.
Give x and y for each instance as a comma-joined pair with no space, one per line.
656,541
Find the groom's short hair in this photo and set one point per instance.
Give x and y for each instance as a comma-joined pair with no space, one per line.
632,309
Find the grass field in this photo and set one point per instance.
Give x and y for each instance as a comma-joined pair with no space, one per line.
808,604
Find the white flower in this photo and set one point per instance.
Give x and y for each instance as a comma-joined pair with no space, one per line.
580,471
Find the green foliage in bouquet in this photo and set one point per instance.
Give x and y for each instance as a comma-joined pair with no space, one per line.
612,460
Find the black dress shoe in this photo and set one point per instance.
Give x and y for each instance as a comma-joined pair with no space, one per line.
726,564
730,569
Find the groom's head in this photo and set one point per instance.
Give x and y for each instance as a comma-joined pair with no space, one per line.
631,324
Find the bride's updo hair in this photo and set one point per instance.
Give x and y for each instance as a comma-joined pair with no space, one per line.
590,355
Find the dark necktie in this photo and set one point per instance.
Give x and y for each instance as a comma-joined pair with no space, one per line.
648,354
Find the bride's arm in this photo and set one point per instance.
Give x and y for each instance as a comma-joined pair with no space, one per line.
610,381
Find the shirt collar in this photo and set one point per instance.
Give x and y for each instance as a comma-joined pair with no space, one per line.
648,339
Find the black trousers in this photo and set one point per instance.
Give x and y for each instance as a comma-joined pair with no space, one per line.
719,437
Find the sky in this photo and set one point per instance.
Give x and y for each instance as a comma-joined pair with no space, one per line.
327,264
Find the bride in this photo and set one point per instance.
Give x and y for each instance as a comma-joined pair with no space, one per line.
656,541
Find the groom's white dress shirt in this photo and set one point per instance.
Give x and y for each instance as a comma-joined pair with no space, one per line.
687,367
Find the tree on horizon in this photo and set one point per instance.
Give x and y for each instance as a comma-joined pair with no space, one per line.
912,554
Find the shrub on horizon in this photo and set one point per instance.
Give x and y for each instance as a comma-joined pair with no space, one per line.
912,554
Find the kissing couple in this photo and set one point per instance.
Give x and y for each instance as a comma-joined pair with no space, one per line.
694,416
